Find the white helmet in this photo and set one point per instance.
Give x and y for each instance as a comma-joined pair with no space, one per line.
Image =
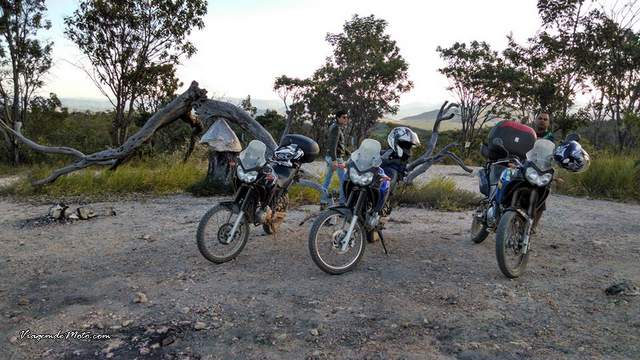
401,140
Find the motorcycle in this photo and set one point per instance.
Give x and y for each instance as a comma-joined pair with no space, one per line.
339,235
515,189
261,197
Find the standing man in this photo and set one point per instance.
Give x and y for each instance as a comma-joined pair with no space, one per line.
543,127
335,155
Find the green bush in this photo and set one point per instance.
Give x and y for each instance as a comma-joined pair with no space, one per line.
440,193
609,176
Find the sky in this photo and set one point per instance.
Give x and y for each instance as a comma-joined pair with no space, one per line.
246,44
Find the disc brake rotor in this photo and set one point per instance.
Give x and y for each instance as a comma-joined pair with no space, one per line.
337,241
223,234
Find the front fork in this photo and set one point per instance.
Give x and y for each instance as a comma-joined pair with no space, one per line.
236,223
529,216
354,220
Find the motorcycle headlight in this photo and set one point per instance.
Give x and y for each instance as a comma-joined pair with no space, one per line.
246,176
536,179
360,178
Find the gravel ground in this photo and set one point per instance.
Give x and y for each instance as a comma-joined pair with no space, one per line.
138,278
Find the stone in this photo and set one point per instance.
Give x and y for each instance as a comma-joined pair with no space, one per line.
13,339
112,345
168,341
127,323
85,213
626,288
140,298
56,211
155,346
185,310
23,301
199,325
144,351
162,330
314,332
280,336
67,212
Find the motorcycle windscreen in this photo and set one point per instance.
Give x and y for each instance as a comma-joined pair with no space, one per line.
542,154
254,155
367,156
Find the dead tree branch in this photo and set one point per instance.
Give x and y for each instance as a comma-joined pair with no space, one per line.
426,160
179,108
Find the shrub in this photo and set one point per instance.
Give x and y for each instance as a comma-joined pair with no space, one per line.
440,193
160,176
608,177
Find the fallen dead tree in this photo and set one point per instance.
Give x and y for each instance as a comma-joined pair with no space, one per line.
194,108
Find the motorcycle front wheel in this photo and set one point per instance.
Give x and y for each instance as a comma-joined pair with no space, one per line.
511,260
327,243
213,234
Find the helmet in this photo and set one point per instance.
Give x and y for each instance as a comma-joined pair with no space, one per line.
571,156
402,140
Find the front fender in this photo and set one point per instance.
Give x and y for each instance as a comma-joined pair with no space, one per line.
231,205
344,210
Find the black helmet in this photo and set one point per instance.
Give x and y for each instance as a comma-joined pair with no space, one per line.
571,156
402,140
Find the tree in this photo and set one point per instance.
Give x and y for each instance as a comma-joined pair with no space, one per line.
133,48
24,60
613,63
366,71
291,91
247,106
365,75
273,122
475,73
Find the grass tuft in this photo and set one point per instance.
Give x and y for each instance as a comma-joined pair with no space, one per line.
608,177
157,177
440,193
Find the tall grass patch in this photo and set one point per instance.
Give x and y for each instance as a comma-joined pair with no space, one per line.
613,177
440,193
160,176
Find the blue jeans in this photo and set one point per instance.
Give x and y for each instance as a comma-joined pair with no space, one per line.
327,180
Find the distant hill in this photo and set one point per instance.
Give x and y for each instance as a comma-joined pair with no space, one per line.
425,120
86,104
96,105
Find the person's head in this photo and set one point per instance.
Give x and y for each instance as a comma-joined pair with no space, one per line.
543,122
342,117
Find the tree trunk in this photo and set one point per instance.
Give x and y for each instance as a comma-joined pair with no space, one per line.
221,167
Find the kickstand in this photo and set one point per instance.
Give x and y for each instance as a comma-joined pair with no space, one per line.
384,246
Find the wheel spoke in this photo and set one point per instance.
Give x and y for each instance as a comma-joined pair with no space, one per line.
329,241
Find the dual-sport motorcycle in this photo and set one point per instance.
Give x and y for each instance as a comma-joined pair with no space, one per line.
261,197
339,234
516,182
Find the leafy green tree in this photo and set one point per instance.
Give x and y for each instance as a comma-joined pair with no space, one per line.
133,48
365,75
477,78
248,106
272,121
24,60
613,64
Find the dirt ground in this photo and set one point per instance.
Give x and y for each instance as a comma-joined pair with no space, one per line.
436,296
